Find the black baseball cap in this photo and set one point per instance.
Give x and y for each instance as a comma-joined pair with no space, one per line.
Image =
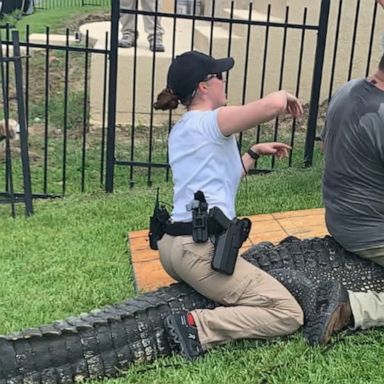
190,68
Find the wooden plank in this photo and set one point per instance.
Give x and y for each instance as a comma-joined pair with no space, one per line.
136,234
308,232
265,227
294,223
150,276
144,255
262,217
273,237
140,243
299,213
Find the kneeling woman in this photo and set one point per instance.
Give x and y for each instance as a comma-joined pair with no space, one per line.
204,156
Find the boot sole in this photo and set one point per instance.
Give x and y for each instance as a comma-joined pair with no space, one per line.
320,327
175,335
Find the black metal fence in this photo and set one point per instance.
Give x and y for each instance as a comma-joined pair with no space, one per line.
88,103
54,4
66,153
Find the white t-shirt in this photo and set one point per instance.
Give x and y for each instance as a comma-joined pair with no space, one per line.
203,159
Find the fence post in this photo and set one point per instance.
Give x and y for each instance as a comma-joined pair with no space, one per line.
316,83
9,190
23,125
112,94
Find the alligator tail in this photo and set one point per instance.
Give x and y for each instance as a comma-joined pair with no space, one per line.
100,344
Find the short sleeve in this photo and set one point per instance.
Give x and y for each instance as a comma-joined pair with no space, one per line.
209,126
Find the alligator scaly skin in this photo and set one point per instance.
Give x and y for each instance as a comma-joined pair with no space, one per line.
321,259
105,342
99,344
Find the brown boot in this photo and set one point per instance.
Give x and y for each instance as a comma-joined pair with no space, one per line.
333,313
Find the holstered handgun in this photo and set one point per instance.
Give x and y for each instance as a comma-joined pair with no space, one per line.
228,243
157,223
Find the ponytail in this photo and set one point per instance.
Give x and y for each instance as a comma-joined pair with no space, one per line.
166,99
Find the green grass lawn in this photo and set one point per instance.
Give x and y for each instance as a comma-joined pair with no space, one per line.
54,18
72,256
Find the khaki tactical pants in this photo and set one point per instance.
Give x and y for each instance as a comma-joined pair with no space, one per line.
368,307
254,305
128,19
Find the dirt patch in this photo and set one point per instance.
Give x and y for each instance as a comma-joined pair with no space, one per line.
302,123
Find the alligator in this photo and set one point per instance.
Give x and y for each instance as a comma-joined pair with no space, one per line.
107,341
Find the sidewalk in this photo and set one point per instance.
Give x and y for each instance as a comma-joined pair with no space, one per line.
149,274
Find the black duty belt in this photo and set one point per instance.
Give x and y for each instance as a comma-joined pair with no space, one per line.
180,228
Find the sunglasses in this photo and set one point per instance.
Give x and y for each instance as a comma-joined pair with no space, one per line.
219,76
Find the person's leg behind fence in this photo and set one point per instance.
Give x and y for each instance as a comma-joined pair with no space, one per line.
127,20
152,25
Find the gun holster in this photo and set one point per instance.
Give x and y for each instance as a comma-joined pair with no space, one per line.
199,208
228,243
157,223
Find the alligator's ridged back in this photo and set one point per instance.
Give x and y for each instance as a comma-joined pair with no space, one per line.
98,344
106,341
321,259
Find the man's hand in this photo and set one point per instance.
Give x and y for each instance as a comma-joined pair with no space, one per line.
294,106
280,150
381,2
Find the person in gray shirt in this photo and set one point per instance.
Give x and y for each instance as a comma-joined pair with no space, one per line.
353,182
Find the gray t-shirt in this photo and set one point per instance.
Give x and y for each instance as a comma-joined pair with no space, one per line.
353,182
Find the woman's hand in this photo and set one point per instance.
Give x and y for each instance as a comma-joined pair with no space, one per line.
280,150
294,106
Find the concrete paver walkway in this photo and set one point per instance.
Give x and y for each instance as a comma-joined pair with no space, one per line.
149,274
